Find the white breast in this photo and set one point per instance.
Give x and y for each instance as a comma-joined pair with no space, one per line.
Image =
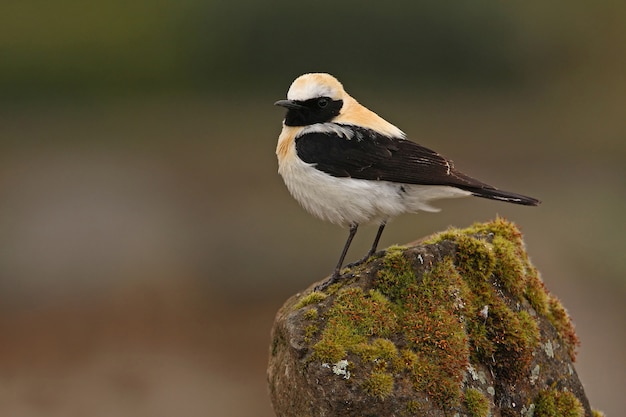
346,201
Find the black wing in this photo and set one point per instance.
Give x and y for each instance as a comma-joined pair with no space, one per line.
366,154
372,156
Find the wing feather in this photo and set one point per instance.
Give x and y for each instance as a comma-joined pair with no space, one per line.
369,155
363,153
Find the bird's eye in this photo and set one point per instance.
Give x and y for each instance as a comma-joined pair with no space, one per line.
322,102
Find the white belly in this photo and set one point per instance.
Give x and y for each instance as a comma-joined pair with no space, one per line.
346,201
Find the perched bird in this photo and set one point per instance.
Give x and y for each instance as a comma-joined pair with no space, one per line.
347,165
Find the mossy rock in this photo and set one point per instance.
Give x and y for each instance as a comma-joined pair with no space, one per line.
457,324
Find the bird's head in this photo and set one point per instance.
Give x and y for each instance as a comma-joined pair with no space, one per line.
313,98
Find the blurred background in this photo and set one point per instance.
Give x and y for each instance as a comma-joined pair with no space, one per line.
146,239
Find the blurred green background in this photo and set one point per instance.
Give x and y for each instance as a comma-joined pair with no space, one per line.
146,240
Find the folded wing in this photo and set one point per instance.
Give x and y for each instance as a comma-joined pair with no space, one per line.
366,154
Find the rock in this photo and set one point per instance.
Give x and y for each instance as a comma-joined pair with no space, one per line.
459,324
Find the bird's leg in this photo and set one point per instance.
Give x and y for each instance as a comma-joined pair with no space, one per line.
344,252
336,276
376,239
374,245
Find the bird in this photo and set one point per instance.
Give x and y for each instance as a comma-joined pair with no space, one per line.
345,164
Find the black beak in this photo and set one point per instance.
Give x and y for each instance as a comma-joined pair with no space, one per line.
289,104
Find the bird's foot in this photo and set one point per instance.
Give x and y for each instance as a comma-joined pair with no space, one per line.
337,276
360,261
333,279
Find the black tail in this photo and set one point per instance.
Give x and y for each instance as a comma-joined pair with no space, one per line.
495,194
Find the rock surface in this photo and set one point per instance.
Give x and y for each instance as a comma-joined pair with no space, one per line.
459,324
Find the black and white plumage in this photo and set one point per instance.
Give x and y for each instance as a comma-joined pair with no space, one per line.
345,164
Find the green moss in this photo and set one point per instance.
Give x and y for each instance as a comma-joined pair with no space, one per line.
329,350
396,274
547,305
597,413
430,311
379,349
332,289
563,324
475,258
476,402
428,326
534,290
537,294
354,317
413,408
491,256
311,298
409,358
515,336
367,314
528,330
311,314
309,332
510,268
497,332
449,234
498,227
553,403
379,384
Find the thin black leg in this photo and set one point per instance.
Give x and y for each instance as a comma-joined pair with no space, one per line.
335,276
376,239
344,252
374,245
